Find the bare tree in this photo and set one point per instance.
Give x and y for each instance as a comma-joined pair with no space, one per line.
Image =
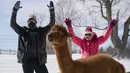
106,11
66,9
41,18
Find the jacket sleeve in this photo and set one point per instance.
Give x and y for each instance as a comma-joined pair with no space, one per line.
106,35
74,38
18,29
52,22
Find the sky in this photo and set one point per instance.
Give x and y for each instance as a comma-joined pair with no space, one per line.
8,38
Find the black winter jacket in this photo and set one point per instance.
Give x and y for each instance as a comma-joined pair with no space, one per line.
24,35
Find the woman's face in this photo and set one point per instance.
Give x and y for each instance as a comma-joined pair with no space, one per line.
88,36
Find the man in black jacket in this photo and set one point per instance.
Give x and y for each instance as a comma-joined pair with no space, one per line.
32,41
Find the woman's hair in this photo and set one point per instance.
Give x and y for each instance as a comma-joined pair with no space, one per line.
94,36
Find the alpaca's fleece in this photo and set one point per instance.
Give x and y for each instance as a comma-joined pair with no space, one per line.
100,63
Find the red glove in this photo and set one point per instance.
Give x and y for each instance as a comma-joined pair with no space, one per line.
67,21
113,23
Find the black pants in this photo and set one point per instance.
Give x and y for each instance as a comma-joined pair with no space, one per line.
34,65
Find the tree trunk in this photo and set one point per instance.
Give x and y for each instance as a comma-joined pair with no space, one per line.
119,44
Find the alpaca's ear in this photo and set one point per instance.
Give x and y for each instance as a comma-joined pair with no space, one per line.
69,35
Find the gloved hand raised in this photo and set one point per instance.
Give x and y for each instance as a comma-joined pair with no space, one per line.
67,21
51,7
113,23
16,6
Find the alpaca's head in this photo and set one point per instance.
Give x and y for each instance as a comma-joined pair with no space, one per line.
58,35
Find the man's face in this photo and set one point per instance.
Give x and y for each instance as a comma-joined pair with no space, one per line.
88,36
32,23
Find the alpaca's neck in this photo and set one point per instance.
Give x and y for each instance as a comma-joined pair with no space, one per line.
63,57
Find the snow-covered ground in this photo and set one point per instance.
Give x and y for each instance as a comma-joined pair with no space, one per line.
8,64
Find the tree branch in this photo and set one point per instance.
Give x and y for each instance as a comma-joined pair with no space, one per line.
102,12
101,8
112,1
115,2
91,26
99,1
117,16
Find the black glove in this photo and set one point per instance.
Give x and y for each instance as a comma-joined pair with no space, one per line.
16,6
51,7
67,21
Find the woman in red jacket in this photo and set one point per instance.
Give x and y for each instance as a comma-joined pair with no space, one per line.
90,43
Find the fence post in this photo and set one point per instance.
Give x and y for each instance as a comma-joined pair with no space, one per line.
10,51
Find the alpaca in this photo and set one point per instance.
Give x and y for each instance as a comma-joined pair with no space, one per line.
100,63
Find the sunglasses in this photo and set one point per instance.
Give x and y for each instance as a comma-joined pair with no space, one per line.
88,34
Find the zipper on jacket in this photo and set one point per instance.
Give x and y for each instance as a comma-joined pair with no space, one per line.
38,53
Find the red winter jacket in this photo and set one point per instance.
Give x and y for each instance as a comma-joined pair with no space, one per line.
89,48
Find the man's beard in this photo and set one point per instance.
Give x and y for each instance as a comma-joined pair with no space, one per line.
32,25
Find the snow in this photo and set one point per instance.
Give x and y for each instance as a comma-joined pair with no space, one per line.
8,64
